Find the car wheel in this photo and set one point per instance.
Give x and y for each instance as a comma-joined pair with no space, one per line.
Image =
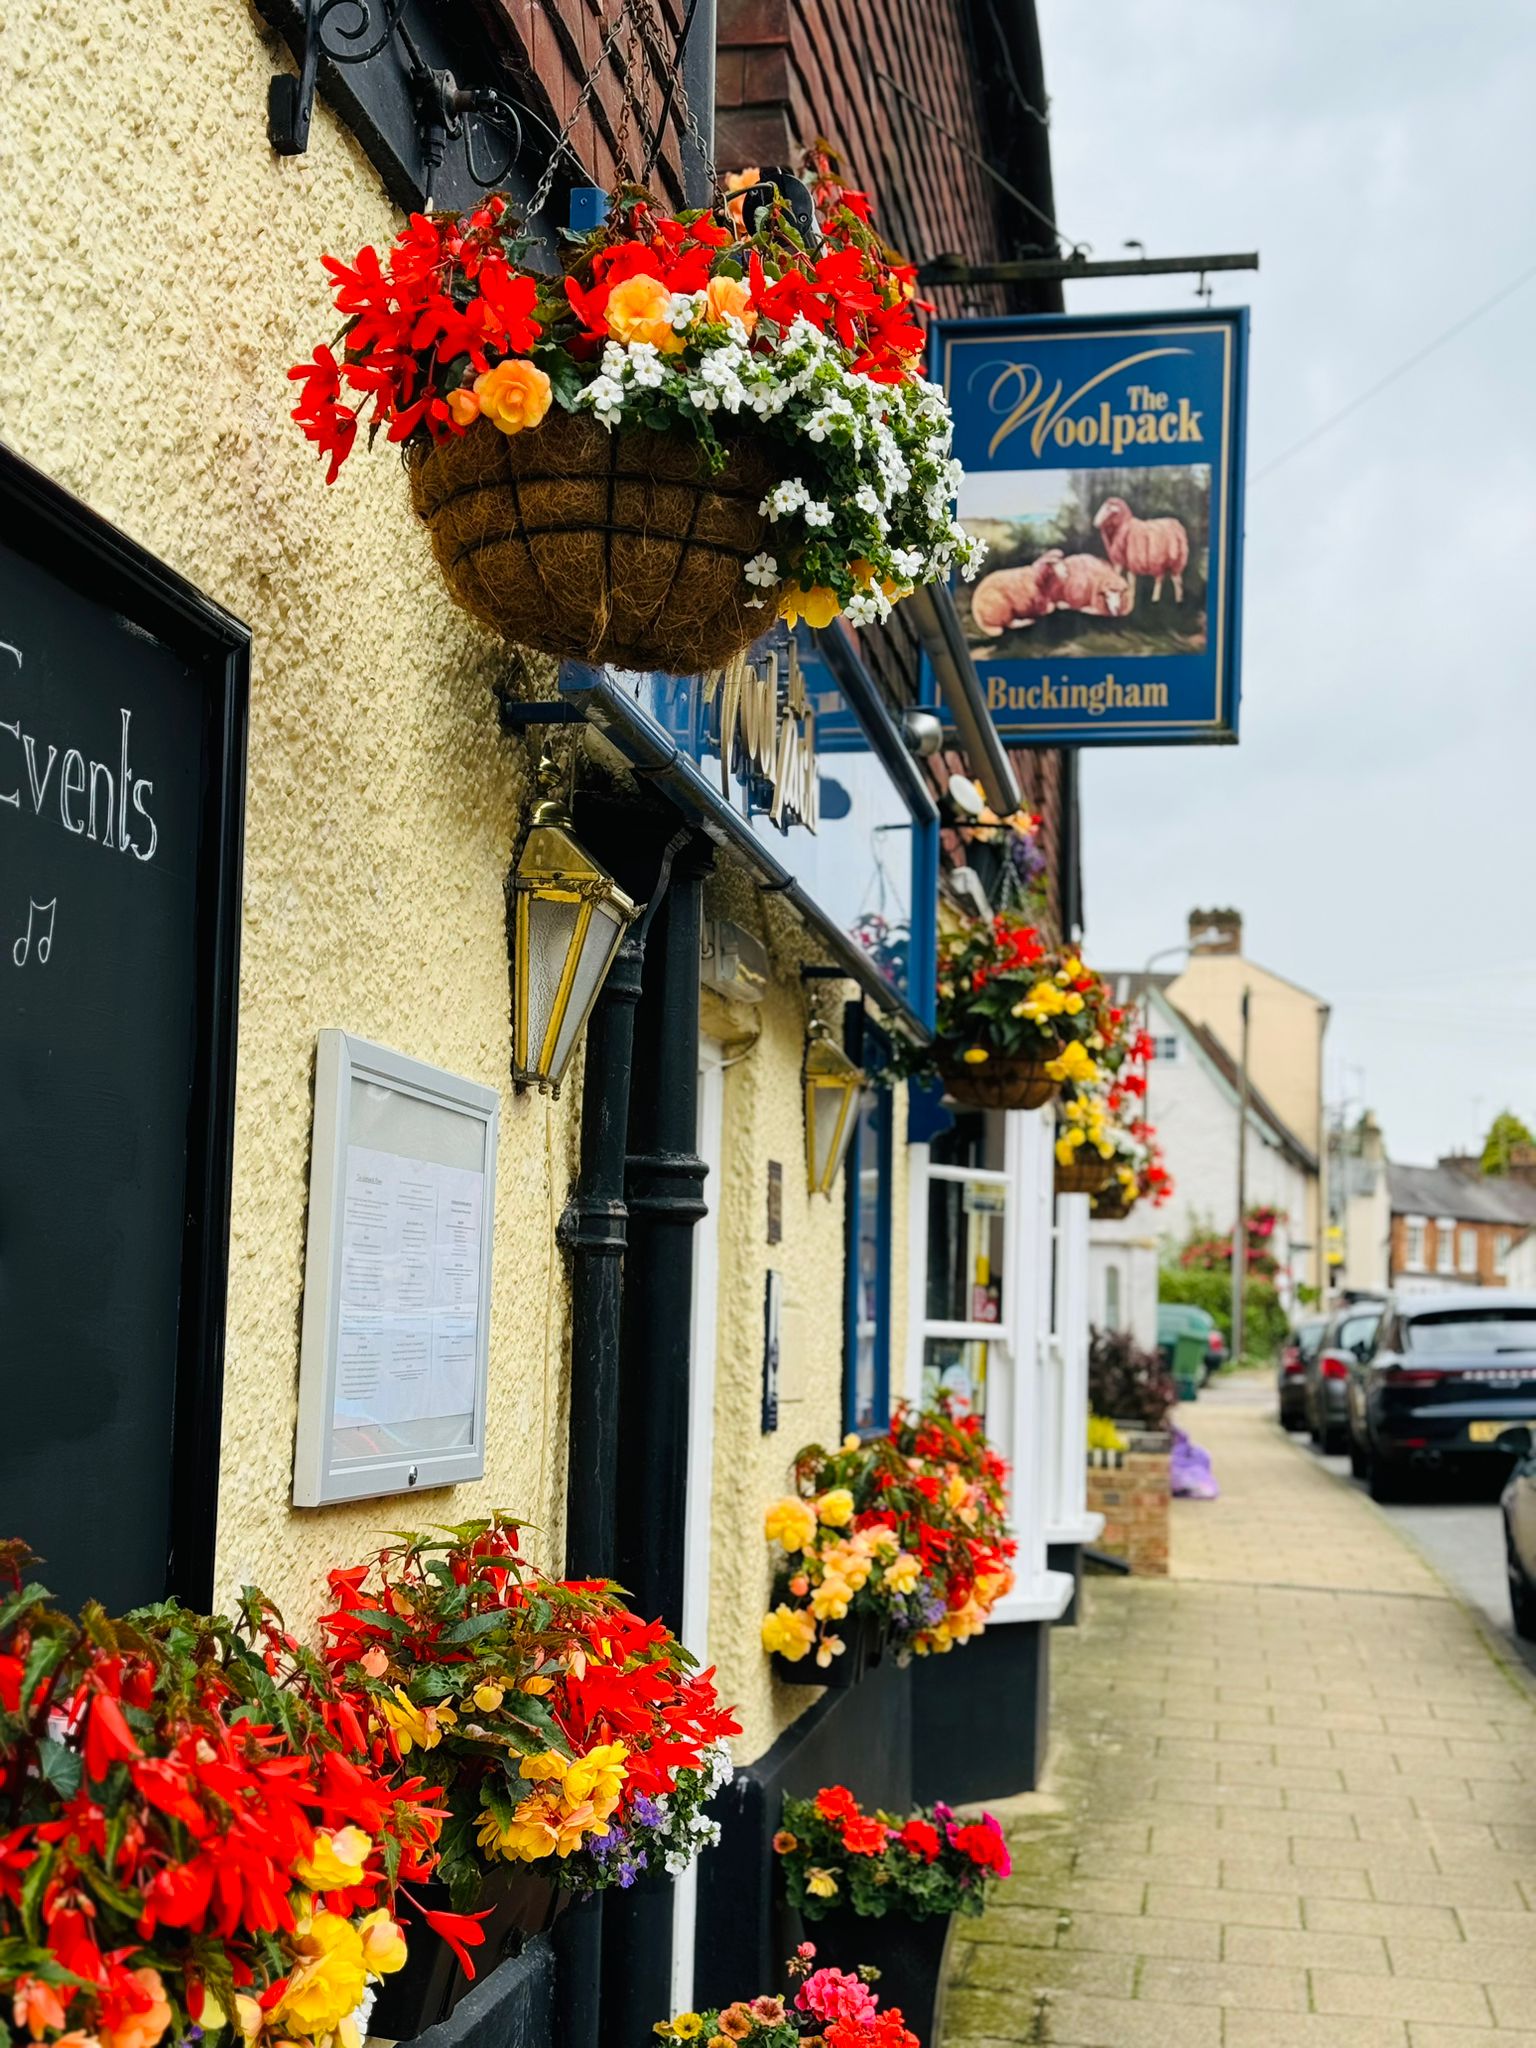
1522,1594
1359,1459
1291,1420
1385,1477
1312,1429
1335,1437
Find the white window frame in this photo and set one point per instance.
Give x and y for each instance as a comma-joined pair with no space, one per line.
1466,1247
1445,1244
1503,1245
1414,1228
1021,1359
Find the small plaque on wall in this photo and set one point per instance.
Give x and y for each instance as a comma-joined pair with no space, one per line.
397,1290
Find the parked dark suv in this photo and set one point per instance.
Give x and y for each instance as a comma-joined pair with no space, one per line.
1291,1370
1347,1338
1451,1377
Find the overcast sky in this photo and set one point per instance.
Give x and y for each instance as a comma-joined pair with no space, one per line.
1376,825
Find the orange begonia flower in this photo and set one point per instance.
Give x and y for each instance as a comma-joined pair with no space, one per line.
725,296
514,395
640,309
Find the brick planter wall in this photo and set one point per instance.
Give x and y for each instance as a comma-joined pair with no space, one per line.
1134,1498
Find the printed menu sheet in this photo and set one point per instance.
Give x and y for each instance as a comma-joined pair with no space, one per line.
410,1290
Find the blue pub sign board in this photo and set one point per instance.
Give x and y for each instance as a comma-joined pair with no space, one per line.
1104,468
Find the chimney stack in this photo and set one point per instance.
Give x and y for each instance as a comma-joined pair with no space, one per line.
1215,931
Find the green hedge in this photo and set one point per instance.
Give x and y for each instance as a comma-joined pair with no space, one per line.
1264,1319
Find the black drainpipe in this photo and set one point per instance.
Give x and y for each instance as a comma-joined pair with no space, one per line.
594,1231
664,1192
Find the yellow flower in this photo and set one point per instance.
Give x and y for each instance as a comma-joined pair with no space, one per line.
597,1778
549,1763
514,395
788,1632
1072,1002
687,2025
818,606
535,1686
328,1980
975,1056
903,1573
791,1522
543,1825
640,309
1072,1064
852,1440
421,1727
465,408
383,1943
835,1508
249,2016
956,1492
821,1884
730,297
488,1697
336,1861
830,1600
1066,1147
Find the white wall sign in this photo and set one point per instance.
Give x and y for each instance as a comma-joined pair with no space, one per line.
397,1283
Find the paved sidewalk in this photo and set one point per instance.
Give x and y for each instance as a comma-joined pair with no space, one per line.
1292,1800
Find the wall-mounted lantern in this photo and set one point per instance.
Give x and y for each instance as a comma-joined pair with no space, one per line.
832,1085
566,919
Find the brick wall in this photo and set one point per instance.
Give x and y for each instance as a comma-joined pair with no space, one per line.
1135,1500
1484,1273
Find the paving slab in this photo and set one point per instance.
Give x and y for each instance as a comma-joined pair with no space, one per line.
1291,1800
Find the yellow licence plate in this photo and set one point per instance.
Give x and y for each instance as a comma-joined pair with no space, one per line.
1488,1432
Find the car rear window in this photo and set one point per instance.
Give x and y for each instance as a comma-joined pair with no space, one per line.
1309,1337
1355,1331
1473,1329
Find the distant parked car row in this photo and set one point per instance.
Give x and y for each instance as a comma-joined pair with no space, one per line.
1428,1384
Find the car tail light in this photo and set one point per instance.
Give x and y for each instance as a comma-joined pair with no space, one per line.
1333,1365
1410,1376
1215,1342
1290,1364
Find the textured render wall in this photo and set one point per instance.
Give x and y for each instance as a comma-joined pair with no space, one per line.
162,271
763,1121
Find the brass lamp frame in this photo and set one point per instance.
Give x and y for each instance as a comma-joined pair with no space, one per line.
828,1068
554,867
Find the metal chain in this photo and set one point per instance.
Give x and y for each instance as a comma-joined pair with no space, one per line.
640,18
645,15
606,48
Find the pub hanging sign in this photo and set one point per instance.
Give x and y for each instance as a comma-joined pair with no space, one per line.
1104,468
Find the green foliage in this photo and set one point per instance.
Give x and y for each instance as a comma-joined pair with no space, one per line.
1504,1133
1264,1320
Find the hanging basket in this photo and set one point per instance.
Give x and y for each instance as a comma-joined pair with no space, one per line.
1000,1082
1111,1204
1084,1177
600,546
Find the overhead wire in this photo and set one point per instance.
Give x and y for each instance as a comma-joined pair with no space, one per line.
1400,370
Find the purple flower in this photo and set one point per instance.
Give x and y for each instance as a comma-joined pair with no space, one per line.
647,1812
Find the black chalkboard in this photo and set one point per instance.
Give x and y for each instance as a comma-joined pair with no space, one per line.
123,699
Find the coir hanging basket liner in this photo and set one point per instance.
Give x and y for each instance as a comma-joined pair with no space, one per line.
1110,1204
999,1082
602,547
1084,1176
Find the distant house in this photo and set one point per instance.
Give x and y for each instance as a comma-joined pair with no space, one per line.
1451,1224
1193,1095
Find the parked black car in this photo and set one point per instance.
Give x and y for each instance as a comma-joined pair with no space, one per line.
1348,1336
1291,1371
1451,1381
1519,1506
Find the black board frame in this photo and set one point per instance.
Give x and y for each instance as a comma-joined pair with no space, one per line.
59,532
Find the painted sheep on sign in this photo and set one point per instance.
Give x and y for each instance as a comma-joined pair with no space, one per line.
1144,547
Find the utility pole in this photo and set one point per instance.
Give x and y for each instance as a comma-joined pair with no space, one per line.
1240,1229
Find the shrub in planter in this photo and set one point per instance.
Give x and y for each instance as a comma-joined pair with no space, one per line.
887,1887
832,2008
905,1535
1014,1020
1127,1384
197,1835
644,459
572,1744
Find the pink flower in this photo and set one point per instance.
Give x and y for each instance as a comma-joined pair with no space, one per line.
836,1995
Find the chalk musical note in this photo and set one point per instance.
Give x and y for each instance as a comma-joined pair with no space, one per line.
24,947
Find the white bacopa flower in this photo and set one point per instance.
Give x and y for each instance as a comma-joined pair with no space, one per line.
816,513
605,395
683,309
762,570
867,499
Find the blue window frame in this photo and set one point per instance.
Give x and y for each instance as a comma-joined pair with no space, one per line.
867,1300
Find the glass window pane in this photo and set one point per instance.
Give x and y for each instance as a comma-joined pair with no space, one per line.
957,1365
966,1236
604,932
977,1139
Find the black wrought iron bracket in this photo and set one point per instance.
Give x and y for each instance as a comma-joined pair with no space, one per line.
518,717
361,31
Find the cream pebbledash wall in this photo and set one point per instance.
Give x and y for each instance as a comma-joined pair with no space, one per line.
764,1120
163,272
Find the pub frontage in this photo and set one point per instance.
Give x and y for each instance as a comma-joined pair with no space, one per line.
446,1084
